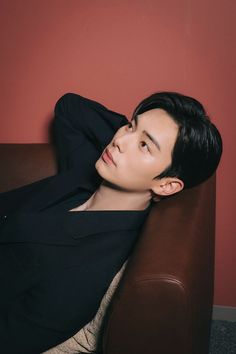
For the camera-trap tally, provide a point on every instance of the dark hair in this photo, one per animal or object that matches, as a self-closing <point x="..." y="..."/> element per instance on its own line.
<point x="198" y="147"/>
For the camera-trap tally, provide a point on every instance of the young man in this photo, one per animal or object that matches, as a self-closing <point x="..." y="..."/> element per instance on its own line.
<point x="110" y="169"/>
<point x="170" y="144"/>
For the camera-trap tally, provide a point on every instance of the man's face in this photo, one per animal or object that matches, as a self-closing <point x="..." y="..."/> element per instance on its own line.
<point x="139" y="151"/>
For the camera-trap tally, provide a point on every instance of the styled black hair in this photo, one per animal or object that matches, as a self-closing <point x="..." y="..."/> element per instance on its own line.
<point x="198" y="147"/>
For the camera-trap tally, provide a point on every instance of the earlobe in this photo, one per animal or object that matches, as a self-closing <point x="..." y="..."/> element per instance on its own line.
<point x="168" y="186"/>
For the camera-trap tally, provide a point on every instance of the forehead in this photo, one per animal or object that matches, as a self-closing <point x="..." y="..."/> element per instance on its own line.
<point x="157" y="118"/>
<point x="158" y="123"/>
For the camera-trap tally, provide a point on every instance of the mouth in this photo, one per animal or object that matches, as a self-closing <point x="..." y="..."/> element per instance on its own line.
<point x="107" y="157"/>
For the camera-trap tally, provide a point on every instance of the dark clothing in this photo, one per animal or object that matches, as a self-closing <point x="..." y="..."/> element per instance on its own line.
<point x="56" y="265"/>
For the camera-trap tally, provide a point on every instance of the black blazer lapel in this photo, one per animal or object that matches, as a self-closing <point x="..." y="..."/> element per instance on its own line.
<point x="68" y="228"/>
<point x="58" y="187"/>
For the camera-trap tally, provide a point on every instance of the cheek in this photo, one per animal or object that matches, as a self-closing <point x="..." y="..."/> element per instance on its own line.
<point x="138" y="168"/>
<point x="131" y="172"/>
<point x="142" y="163"/>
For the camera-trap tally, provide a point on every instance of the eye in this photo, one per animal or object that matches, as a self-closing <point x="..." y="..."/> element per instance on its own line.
<point x="129" y="127"/>
<point x="144" y="146"/>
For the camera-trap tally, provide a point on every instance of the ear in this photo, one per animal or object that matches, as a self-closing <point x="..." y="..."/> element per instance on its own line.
<point x="167" y="186"/>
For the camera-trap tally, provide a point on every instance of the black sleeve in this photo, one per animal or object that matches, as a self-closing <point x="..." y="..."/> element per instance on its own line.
<point x="83" y="126"/>
<point x="82" y="129"/>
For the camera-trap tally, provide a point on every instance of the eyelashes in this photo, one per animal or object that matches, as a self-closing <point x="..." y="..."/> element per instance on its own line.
<point x="143" y="144"/>
<point x="129" y="125"/>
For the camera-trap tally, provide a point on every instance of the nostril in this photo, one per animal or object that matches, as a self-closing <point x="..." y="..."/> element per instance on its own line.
<point x="116" y="144"/>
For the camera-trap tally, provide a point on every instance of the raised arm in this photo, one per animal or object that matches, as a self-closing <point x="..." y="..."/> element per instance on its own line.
<point x="82" y="129"/>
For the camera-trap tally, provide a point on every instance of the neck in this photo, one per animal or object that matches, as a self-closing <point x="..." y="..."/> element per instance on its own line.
<point x="108" y="197"/>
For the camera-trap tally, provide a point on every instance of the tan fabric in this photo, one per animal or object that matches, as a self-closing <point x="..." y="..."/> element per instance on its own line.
<point x="87" y="339"/>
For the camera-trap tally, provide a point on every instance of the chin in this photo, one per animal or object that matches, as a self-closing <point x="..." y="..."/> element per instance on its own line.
<point x="99" y="168"/>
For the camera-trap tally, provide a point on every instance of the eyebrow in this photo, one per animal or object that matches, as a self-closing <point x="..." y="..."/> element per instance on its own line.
<point x="155" y="142"/>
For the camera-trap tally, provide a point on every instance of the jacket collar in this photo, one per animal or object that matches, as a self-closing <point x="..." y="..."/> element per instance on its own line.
<point x="69" y="227"/>
<point x="93" y="222"/>
<point x="58" y="187"/>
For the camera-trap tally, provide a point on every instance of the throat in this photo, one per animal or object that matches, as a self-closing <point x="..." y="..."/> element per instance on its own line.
<point x="108" y="198"/>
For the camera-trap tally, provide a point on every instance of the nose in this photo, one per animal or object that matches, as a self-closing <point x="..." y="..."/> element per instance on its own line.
<point x="120" y="142"/>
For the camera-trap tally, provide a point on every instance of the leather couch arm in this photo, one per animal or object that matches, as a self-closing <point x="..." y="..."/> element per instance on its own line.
<point x="164" y="302"/>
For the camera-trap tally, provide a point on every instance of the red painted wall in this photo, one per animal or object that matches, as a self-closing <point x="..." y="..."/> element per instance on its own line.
<point x="117" y="52"/>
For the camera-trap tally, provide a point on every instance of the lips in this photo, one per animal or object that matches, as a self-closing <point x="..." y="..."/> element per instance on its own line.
<point x="107" y="157"/>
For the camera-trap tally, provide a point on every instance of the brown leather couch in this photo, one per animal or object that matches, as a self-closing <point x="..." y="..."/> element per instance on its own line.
<point x="164" y="302"/>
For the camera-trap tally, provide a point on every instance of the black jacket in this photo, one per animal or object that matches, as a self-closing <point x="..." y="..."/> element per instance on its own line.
<point x="55" y="265"/>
